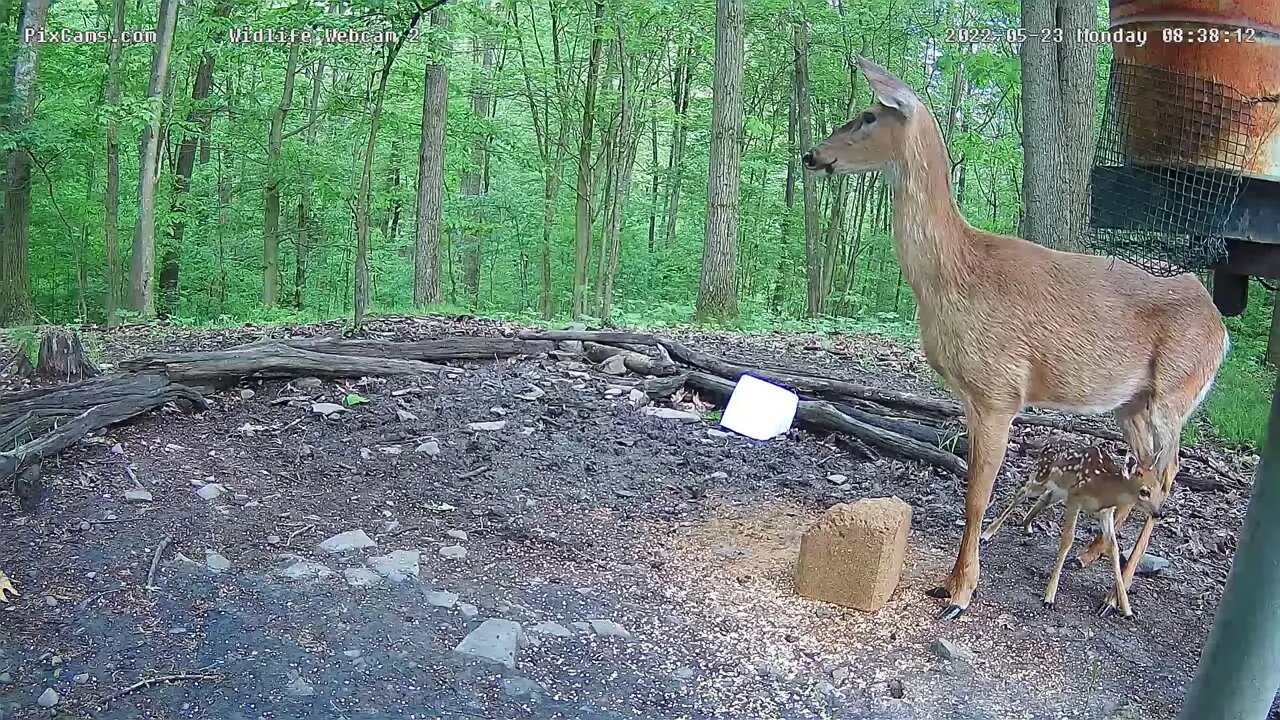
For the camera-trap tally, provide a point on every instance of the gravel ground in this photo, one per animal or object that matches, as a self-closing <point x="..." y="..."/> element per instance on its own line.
<point x="569" y="557"/>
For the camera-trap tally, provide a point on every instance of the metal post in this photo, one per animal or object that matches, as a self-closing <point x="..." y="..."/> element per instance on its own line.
<point x="1239" y="669"/>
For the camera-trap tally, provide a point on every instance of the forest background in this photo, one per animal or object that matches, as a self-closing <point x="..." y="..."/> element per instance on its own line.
<point x="630" y="162"/>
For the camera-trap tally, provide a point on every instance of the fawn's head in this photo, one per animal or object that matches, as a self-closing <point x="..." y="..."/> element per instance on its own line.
<point x="1145" y="484"/>
<point x="878" y="136"/>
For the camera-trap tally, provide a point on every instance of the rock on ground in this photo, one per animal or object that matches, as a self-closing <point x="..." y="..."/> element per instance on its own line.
<point x="399" y="566"/>
<point x="496" y="640"/>
<point x="608" y="628"/>
<point x="551" y="628"/>
<point x="347" y="541"/>
<point x="48" y="698"/>
<point x="441" y="598"/>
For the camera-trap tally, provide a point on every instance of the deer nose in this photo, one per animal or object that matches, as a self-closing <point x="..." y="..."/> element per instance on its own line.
<point x="807" y="159"/>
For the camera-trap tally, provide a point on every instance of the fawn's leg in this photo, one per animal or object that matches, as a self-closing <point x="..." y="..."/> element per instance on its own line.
<point x="1167" y="474"/>
<point x="1065" y="539"/>
<point x="1100" y="545"/>
<point x="1046" y="499"/>
<point x="1018" y="497"/>
<point x="1134" y="421"/>
<point x="988" y="439"/>
<point x="1108" y="522"/>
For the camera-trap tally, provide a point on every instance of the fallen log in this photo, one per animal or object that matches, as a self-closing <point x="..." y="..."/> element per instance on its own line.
<point x="822" y="415"/>
<point x="77" y="397"/>
<point x="95" y="418"/>
<point x="956" y="443"/>
<point x="270" y="360"/>
<point x="463" y="347"/>
<point x="637" y="363"/>
<point x="28" y="425"/>
<point x="827" y="388"/>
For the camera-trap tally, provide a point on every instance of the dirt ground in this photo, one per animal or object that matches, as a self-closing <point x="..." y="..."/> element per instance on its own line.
<point x="647" y="561"/>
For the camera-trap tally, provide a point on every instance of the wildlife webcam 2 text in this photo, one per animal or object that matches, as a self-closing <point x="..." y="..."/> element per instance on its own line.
<point x="1087" y="334"/>
<point x="289" y="36"/>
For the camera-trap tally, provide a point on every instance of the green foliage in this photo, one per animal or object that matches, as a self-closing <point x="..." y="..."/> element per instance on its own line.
<point x="656" y="282"/>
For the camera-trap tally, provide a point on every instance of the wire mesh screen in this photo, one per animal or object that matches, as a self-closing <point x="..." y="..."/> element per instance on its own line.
<point x="1168" y="168"/>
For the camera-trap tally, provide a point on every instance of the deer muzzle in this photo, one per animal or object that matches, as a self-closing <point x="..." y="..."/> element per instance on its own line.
<point x="813" y="161"/>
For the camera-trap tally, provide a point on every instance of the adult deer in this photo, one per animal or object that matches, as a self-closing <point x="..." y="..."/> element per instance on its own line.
<point x="1008" y="323"/>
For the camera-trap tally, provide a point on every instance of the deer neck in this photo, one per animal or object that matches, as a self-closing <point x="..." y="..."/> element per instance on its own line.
<point x="929" y="234"/>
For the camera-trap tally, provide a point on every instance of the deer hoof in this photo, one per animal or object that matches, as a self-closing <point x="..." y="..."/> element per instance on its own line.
<point x="1048" y="604"/>
<point x="939" y="593"/>
<point x="951" y="612"/>
<point x="1107" y="610"/>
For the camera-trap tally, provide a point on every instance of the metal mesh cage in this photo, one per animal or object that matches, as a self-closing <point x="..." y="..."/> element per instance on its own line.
<point x="1168" y="169"/>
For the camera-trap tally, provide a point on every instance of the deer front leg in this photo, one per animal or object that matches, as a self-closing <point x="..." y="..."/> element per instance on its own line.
<point x="1100" y="545"/>
<point x="1065" y="539"/>
<point x="988" y="440"/>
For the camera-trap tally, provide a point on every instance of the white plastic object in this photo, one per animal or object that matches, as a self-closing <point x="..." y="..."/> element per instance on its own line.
<point x="760" y="410"/>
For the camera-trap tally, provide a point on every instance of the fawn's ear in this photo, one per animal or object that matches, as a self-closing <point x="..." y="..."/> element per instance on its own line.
<point x="1130" y="465"/>
<point x="888" y="89"/>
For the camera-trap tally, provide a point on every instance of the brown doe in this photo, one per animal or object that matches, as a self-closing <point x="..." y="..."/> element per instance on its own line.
<point x="1008" y="323"/>
<point x="1090" y="480"/>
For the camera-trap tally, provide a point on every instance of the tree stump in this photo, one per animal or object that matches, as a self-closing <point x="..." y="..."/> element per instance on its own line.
<point x="62" y="357"/>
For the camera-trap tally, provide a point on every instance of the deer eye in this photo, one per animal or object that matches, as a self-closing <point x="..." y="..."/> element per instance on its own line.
<point x="868" y="117"/>
<point x="1144" y="492"/>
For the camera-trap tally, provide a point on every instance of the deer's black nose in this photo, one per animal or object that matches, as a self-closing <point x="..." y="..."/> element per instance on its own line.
<point x="807" y="159"/>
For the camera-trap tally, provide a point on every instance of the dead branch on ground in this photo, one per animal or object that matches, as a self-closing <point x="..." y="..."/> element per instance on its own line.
<point x="820" y="415"/>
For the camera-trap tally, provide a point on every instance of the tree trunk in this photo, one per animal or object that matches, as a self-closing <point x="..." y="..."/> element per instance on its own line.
<point x="15" y="284"/>
<point x="361" y="210"/>
<point x="111" y="202"/>
<point x="582" y="221"/>
<point x="224" y="221"/>
<point x="804" y="122"/>
<point x="82" y="251"/>
<point x="393" y="189"/>
<point x="789" y="199"/>
<point x="717" y="291"/>
<point x="142" y="268"/>
<point x="435" y="96"/>
<point x="271" y="191"/>
<point x="679" y="137"/>
<point x="653" y="187"/>
<point x="624" y="158"/>
<point x="1057" y="109"/>
<point x="304" y="196"/>
<point x="473" y="184"/>
<point x="835" y="230"/>
<point x="197" y="118"/>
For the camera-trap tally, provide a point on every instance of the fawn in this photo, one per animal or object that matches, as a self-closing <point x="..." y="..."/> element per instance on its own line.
<point x="1090" y="480"/>
<point x="1008" y="323"/>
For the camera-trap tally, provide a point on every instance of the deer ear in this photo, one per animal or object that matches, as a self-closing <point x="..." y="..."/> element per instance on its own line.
<point x="888" y="89"/>
<point x="1130" y="464"/>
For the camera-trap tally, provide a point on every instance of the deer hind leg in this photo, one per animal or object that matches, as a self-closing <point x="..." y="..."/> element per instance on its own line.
<point x="1065" y="540"/>
<point x="988" y="440"/>
<point x="1108" y="522"/>
<point x="1025" y="491"/>
<point x="1135" y="425"/>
